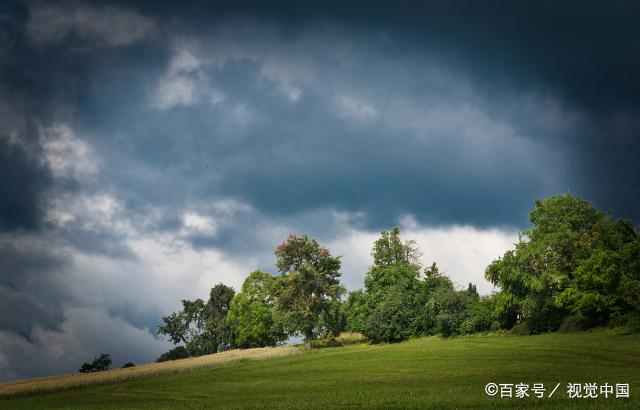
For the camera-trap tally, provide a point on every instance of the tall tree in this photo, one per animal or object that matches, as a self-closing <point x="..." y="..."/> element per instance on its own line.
<point x="395" y="262"/>
<point x="254" y="315"/>
<point x="390" y="303"/>
<point x="312" y="282"/>
<point x="202" y="327"/>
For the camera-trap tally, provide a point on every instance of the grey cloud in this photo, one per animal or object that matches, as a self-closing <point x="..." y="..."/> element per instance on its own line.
<point x="83" y="334"/>
<point x="22" y="187"/>
<point x="32" y="282"/>
<point x="106" y="25"/>
<point x="322" y="120"/>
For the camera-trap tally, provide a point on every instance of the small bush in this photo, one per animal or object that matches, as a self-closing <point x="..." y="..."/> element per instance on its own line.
<point x="176" y="353"/>
<point x="99" y="364"/>
<point x="128" y="364"/>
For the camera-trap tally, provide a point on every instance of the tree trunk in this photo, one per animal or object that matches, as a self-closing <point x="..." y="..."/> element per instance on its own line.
<point x="309" y="338"/>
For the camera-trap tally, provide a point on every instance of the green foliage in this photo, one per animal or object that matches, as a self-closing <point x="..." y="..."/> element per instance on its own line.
<point x="399" y="303"/>
<point x="311" y="283"/>
<point x="333" y="319"/>
<point x="449" y="308"/>
<point x="392" y="318"/>
<point x="202" y="327"/>
<point x="177" y="353"/>
<point x="254" y="315"/>
<point x="575" y="260"/>
<point x="99" y="364"/>
<point x="395" y="263"/>
<point x="356" y="311"/>
<point x="387" y="310"/>
<point x="127" y="365"/>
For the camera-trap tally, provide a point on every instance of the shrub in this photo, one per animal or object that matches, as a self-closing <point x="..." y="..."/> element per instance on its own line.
<point x="99" y="364"/>
<point x="176" y="353"/>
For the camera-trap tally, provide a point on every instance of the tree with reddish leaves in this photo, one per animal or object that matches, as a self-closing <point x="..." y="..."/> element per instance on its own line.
<point x="312" y="282"/>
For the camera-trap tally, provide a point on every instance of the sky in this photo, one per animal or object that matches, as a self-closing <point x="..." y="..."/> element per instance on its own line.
<point x="150" y="150"/>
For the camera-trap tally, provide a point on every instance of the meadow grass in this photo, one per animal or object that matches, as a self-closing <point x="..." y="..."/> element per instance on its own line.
<point x="421" y="373"/>
<point x="64" y="382"/>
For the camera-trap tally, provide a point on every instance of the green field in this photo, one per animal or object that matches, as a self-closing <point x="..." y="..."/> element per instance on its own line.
<point x="421" y="373"/>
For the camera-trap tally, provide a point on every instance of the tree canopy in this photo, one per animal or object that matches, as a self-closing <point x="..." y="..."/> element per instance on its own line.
<point x="312" y="282"/>
<point x="575" y="266"/>
<point x="254" y="313"/>
<point x="574" y="260"/>
<point x="202" y="327"/>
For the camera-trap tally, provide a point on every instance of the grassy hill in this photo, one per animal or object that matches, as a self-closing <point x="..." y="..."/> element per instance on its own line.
<point x="421" y="373"/>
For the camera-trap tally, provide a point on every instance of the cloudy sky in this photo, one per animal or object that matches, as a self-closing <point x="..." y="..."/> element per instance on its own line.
<point x="149" y="150"/>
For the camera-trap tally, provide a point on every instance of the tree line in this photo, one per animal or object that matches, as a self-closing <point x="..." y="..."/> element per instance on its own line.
<point x="575" y="268"/>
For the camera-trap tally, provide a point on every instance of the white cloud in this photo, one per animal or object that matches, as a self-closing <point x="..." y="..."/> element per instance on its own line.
<point x="462" y="252"/>
<point x="185" y="83"/>
<point x="109" y="25"/>
<point x="351" y="107"/>
<point x="288" y="74"/>
<point x="175" y="90"/>
<point x="184" y="60"/>
<point x="199" y="224"/>
<point x="97" y="212"/>
<point x="67" y="155"/>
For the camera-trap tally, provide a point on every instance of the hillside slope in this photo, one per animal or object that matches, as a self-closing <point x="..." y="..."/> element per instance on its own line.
<point x="422" y="373"/>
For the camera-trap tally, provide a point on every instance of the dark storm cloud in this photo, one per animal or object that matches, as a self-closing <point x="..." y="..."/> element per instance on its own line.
<point x="21" y="186"/>
<point x="29" y="283"/>
<point x="499" y="47"/>
<point x="583" y="52"/>
<point x="134" y="133"/>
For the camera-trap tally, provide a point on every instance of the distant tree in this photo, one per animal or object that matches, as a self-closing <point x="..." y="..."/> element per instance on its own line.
<point x="127" y="365"/>
<point x="311" y="284"/>
<point x="177" y="353"/>
<point x="472" y="291"/>
<point x="395" y="263"/>
<point x="432" y="271"/>
<point x="254" y="315"/>
<point x="202" y="327"/>
<point x="99" y="364"/>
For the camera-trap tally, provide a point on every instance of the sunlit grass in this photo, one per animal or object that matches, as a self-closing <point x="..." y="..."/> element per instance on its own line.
<point x="48" y="384"/>
<point x="422" y="373"/>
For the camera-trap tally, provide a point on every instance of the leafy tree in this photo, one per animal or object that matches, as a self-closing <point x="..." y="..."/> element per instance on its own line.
<point x="99" y="364"/>
<point x="391" y="285"/>
<point x="574" y="260"/>
<point x="392" y="319"/>
<point x="356" y="311"/>
<point x="426" y="290"/>
<point x="177" y="353"/>
<point x="217" y="328"/>
<point x="395" y="263"/>
<point x="333" y="320"/>
<point x="254" y="315"/>
<point x="311" y="282"/>
<point x="202" y="327"/>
